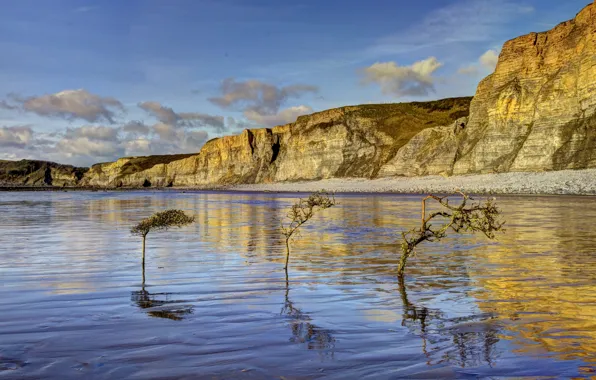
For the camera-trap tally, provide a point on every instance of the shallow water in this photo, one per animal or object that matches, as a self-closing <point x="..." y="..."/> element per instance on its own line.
<point x="217" y="304"/>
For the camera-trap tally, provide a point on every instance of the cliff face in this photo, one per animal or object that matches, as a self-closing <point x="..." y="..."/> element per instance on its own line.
<point x="345" y="142"/>
<point x="38" y="173"/>
<point x="537" y="111"/>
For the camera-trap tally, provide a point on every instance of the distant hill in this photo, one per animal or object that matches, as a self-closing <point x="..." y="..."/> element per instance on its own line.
<point x="39" y="173"/>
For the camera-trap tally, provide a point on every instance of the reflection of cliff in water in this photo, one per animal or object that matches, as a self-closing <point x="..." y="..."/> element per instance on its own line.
<point x="465" y="342"/>
<point x="161" y="305"/>
<point x="304" y="332"/>
<point x="543" y="280"/>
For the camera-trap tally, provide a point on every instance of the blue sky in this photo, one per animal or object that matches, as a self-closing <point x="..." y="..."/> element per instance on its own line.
<point x="73" y="74"/>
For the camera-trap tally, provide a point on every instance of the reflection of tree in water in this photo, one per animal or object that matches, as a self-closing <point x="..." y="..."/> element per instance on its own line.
<point x="471" y="340"/>
<point x="303" y="331"/>
<point x="160" y="305"/>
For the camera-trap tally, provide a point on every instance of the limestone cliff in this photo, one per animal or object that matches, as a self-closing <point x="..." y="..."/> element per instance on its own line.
<point x="38" y="173"/>
<point x="353" y="141"/>
<point x="537" y="110"/>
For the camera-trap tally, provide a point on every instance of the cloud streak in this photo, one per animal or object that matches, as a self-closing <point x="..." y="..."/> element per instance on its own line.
<point x="261" y="102"/>
<point x="16" y="137"/>
<point x="460" y="22"/>
<point x="70" y="105"/>
<point x="414" y="80"/>
<point x="487" y="61"/>
<point x="168" y="116"/>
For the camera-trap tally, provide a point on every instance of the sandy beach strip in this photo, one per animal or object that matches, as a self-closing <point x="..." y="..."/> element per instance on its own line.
<point x="576" y="182"/>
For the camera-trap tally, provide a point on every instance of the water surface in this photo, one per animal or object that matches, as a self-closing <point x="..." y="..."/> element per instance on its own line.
<point x="217" y="304"/>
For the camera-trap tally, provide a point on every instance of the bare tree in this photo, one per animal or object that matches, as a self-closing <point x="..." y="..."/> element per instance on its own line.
<point x="301" y="212"/>
<point x="160" y="221"/>
<point x="465" y="217"/>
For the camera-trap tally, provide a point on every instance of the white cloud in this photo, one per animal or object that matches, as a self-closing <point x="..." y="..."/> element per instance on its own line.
<point x="414" y="80"/>
<point x="17" y="136"/>
<point x="93" y="132"/>
<point x="138" y="147"/>
<point x="88" y="144"/>
<point x="136" y="127"/>
<point x="257" y="96"/>
<point x="163" y="114"/>
<point x="165" y="131"/>
<point x="171" y="140"/>
<point x="284" y="116"/>
<point x="490" y="59"/>
<point x="260" y="102"/>
<point x="182" y="119"/>
<point x="487" y="61"/>
<point x="89" y="147"/>
<point x="71" y="105"/>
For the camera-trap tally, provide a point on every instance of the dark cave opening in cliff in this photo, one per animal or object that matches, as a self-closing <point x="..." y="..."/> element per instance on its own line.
<point x="275" y="147"/>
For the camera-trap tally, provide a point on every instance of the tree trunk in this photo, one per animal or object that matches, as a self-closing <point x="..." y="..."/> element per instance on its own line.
<point x="287" y="253"/>
<point x="402" y="264"/>
<point x="143" y="262"/>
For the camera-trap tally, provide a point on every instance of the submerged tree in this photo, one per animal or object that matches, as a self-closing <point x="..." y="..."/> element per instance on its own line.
<point x="301" y="212"/>
<point x="160" y="221"/>
<point x="465" y="217"/>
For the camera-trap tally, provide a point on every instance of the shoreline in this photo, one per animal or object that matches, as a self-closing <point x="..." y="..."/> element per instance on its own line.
<point x="563" y="182"/>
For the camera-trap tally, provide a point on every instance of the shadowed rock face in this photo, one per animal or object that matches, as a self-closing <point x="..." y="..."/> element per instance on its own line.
<point x="536" y="112"/>
<point x="39" y="173"/>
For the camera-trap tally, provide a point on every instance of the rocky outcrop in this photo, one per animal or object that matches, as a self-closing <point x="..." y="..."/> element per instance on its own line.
<point x="353" y="141"/>
<point x="38" y="173"/>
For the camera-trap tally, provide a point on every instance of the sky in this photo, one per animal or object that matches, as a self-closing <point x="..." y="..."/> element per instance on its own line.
<point x="83" y="82"/>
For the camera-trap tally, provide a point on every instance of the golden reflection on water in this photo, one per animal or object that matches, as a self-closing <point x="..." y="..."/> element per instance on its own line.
<point x="541" y="278"/>
<point x="533" y="290"/>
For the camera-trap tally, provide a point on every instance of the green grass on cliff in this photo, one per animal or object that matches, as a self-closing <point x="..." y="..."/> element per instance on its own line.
<point x="402" y="121"/>
<point x="399" y="118"/>
<point x="137" y="164"/>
